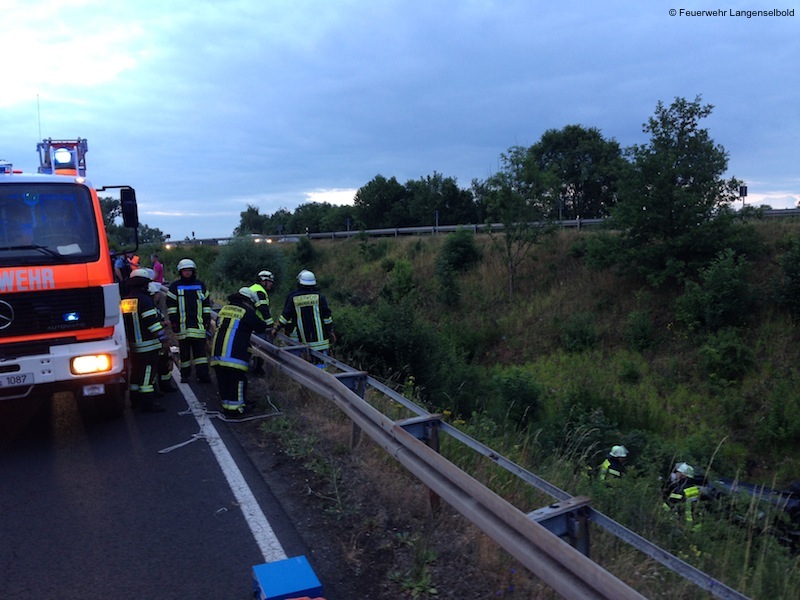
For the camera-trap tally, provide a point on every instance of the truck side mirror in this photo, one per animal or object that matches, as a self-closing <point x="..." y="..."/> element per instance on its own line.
<point x="127" y="201"/>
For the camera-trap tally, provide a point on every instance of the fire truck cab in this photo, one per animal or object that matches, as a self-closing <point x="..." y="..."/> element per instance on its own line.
<point x="60" y="323"/>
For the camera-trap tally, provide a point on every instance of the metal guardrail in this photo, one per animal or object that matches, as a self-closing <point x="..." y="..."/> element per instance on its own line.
<point x="564" y="568"/>
<point x="426" y="230"/>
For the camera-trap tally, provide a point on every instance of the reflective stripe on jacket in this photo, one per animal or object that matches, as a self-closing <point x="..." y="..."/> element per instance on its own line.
<point x="189" y="308"/>
<point x="262" y="306"/>
<point x="231" y="344"/>
<point x="142" y="323"/>
<point x="307" y="311"/>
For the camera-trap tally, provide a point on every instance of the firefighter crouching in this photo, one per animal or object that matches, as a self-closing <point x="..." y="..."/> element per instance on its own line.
<point x="613" y="466"/>
<point x="146" y="337"/>
<point x="683" y="495"/>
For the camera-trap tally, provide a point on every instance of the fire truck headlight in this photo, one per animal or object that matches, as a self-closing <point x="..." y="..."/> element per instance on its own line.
<point x="95" y="363"/>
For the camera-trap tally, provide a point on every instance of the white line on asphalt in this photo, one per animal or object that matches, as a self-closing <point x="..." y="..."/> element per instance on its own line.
<point x="262" y="530"/>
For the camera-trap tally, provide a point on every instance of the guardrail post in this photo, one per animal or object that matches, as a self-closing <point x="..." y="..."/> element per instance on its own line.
<point x="426" y="429"/>
<point x="568" y="520"/>
<point x="356" y="381"/>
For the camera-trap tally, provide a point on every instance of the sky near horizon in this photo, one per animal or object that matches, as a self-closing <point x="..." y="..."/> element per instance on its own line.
<point x="208" y="107"/>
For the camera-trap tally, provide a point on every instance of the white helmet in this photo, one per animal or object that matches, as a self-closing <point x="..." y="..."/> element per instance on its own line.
<point x="619" y="452"/>
<point x="248" y="294"/>
<point x="186" y="263"/>
<point x="266" y="276"/>
<point x="140" y="273"/>
<point x="150" y="273"/>
<point x="306" y="277"/>
<point x="687" y="470"/>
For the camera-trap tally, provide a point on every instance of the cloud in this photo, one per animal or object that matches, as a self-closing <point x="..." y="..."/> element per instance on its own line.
<point x="209" y="109"/>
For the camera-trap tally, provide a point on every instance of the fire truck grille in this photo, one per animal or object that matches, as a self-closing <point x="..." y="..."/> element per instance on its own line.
<point x="50" y="312"/>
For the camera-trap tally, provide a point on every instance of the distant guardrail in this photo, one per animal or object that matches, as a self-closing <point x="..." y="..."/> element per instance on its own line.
<point x="424" y="230"/>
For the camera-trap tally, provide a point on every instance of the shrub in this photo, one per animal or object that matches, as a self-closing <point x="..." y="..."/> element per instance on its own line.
<point x="789" y="296"/>
<point x="304" y="252"/>
<point x="782" y="424"/>
<point x="518" y="397"/>
<point x="639" y="331"/>
<point x="726" y="357"/>
<point x="400" y="282"/>
<point x="459" y="251"/>
<point x="721" y="298"/>
<point x="238" y="263"/>
<point x="578" y="333"/>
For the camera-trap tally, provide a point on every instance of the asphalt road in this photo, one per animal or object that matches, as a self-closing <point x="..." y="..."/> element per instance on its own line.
<point x="99" y="510"/>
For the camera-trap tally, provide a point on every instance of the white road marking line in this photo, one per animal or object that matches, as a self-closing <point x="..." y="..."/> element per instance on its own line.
<point x="265" y="537"/>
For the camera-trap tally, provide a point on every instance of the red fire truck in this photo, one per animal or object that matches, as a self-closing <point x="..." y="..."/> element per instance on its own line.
<point x="60" y="324"/>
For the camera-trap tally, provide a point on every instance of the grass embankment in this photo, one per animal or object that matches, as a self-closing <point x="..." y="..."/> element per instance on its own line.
<point x="577" y="360"/>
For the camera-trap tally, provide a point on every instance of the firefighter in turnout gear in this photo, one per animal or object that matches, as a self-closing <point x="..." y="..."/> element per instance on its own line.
<point x="306" y="311"/>
<point x="262" y="289"/>
<point x="189" y="312"/>
<point x="613" y="466"/>
<point x="146" y="335"/>
<point x="164" y="354"/>
<point x="230" y="349"/>
<point x="682" y="494"/>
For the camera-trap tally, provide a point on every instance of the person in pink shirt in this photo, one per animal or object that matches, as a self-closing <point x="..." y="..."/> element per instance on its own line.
<point x="158" y="268"/>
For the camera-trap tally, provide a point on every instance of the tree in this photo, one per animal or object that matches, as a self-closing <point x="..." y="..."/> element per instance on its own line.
<point x="673" y="210"/>
<point x="585" y="170"/>
<point x="120" y="236"/>
<point x="513" y="197"/>
<point x="250" y="221"/>
<point x="382" y="203"/>
<point x="438" y="194"/>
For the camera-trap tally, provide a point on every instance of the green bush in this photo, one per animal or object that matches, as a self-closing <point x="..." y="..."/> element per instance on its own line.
<point x="400" y="281"/>
<point x="726" y="357"/>
<point x="304" y="252"/>
<point x="790" y="287"/>
<point x="518" y="397"/>
<point x="459" y="251"/>
<point x="722" y="297"/>
<point x="238" y="264"/>
<point x="578" y="333"/>
<point x="639" y="331"/>
<point x="782" y="424"/>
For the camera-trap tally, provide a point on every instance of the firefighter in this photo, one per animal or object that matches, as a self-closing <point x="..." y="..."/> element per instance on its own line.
<point x="613" y="466"/>
<point x="682" y="494"/>
<point x="230" y="348"/>
<point x="306" y="311"/>
<point x="146" y="336"/>
<point x="189" y="313"/>
<point x="164" y="355"/>
<point x="262" y="288"/>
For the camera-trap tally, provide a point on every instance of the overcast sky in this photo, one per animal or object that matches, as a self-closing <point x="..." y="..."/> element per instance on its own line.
<point x="207" y="107"/>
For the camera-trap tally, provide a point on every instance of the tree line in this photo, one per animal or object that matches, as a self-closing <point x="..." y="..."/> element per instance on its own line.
<point x="573" y="172"/>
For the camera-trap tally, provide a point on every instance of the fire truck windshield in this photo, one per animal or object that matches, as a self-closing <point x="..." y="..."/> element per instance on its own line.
<point x="44" y="223"/>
